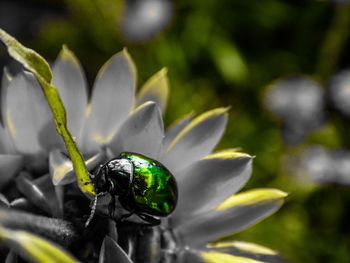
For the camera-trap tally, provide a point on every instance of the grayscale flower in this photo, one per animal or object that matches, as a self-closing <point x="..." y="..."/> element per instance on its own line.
<point x="325" y="166"/>
<point x="299" y="102"/>
<point x="115" y="120"/>
<point x="339" y="91"/>
<point x="143" y="19"/>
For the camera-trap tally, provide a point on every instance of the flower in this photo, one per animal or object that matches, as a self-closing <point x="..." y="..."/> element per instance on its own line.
<point x="299" y="102"/>
<point x="324" y="166"/>
<point x="339" y="91"/>
<point x="114" y="120"/>
<point x="143" y="19"/>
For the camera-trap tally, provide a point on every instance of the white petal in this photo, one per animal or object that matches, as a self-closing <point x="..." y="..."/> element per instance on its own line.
<point x="141" y="133"/>
<point x="9" y="166"/>
<point x="29" y="117"/>
<point x="155" y="89"/>
<point x="246" y="249"/>
<point x="40" y="192"/>
<point x="197" y="140"/>
<point x="190" y="255"/>
<point x="69" y="79"/>
<point x="175" y="129"/>
<point x="112" y="252"/>
<point x="236" y="213"/>
<point x="6" y="143"/>
<point x="209" y="182"/>
<point x="61" y="167"/>
<point x="111" y="101"/>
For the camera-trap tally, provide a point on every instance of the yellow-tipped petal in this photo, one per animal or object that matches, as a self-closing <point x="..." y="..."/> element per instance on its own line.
<point x="70" y="81"/>
<point x="252" y="197"/>
<point x="245" y="247"/>
<point x="196" y="140"/>
<point x="210" y="181"/>
<point x="217" y="257"/>
<point x="111" y="101"/>
<point x="142" y="132"/>
<point x="205" y="116"/>
<point x="34" y="247"/>
<point x="227" y="154"/>
<point x="155" y="89"/>
<point x="233" y="215"/>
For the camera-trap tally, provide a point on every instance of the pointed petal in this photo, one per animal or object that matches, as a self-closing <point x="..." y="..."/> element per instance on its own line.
<point x="209" y="182"/>
<point x="53" y="195"/>
<point x="9" y="166"/>
<point x="175" y="129"/>
<point x="40" y="192"/>
<point x="34" y="248"/>
<point x="197" y="140"/>
<point x="69" y="79"/>
<point x="111" y="101"/>
<point x="155" y="89"/>
<point x="3" y="201"/>
<point x="218" y="257"/>
<point x="11" y="257"/>
<point x="28" y="116"/>
<point x="198" y="256"/>
<point x="142" y="132"/>
<point x="5" y="82"/>
<point x="23" y="204"/>
<point x="247" y="249"/>
<point x="112" y="252"/>
<point x="61" y="167"/>
<point x="234" y="214"/>
<point x="112" y="230"/>
<point x="243" y="247"/>
<point x="6" y="142"/>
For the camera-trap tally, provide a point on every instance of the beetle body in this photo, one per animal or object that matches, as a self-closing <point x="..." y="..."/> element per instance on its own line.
<point x="143" y="186"/>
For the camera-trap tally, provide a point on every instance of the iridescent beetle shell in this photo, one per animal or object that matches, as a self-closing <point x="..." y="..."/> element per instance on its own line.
<point x="153" y="188"/>
<point x="144" y="186"/>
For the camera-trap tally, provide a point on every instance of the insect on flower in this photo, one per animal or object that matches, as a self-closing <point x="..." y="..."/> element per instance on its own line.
<point x="144" y="187"/>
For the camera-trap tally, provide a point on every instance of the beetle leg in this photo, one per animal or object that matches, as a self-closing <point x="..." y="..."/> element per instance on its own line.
<point x="125" y="216"/>
<point x="151" y="220"/>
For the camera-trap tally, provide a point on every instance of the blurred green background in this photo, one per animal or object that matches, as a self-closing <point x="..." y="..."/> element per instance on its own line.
<point x="224" y="53"/>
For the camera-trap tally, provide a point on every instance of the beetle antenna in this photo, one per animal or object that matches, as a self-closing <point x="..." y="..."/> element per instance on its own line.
<point x="93" y="210"/>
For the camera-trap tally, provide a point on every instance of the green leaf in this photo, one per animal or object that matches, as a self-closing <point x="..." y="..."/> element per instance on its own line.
<point x="28" y="57"/>
<point x="34" y="248"/>
<point x="40" y="68"/>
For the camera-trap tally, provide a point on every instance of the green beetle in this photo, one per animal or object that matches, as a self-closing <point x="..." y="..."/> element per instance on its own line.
<point x="144" y="186"/>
